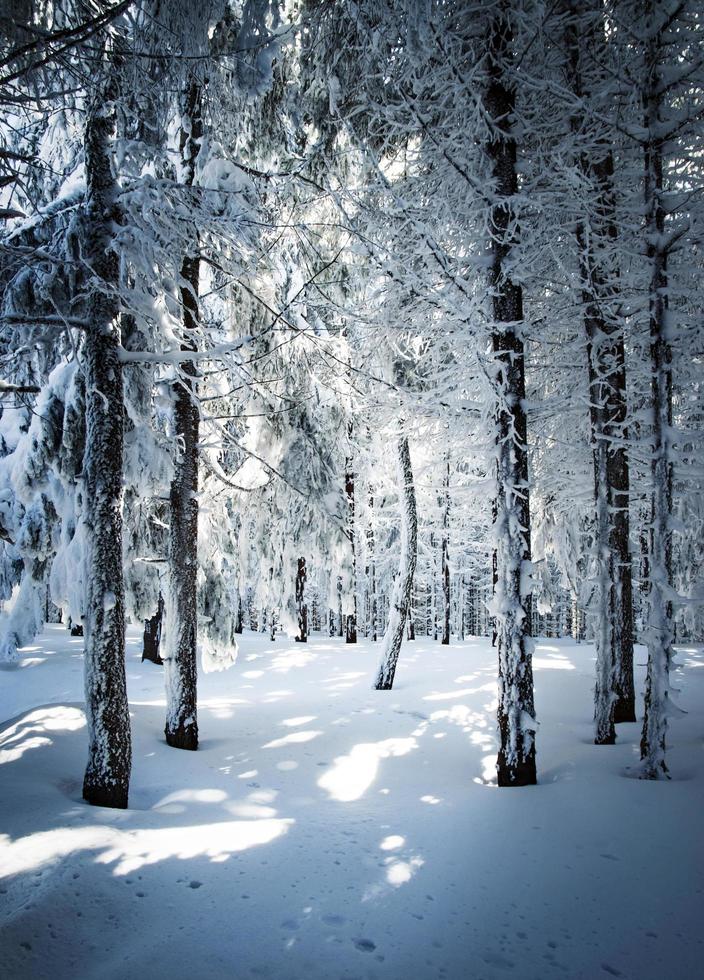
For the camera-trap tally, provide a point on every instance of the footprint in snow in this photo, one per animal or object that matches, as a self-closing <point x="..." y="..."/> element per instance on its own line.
<point x="333" y="920"/>
<point x="195" y="884"/>
<point x="365" y="945"/>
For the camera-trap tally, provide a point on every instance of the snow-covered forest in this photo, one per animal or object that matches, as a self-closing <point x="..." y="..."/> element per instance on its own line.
<point x="351" y="353"/>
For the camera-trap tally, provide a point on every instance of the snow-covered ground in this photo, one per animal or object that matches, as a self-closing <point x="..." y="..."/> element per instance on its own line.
<point x="326" y="830"/>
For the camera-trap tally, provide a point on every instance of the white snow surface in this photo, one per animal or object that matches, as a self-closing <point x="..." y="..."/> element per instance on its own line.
<point x="326" y="830"/>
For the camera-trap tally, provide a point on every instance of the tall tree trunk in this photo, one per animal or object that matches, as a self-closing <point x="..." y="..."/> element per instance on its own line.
<point x="660" y="585"/>
<point x="372" y="570"/>
<point x="351" y="618"/>
<point x="644" y="510"/>
<point x="180" y="661"/>
<point x="107" y="776"/>
<point x="301" y="606"/>
<point x="597" y="237"/>
<point x="403" y="586"/>
<point x="494" y="577"/>
<point x="445" y="557"/>
<point x="516" y="758"/>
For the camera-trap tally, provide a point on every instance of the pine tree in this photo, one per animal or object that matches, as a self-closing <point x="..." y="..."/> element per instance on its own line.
<point x="597" y="239"/>
<point x="106" y="781"/>
<point x="181" y="613"/>
<point x="403" y="586"/>
<point x="516" y="759"/>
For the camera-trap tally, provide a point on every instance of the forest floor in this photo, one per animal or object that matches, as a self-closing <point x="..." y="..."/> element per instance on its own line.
<point x="326" y="830"/>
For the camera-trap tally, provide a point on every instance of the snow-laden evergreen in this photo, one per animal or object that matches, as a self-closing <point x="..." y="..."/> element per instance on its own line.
<point x="403" y="584"/>
<point x="260" y="235"/>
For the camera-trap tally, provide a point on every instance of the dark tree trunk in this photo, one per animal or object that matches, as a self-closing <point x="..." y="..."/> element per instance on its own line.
<point x="603" y="326"/>
<point x="239" y="622"/>
<point x="180" y="661"/>
<point x="401" y="600"/>
<point x="301" y="605"/>
<point x="351" y="618"/>
<point x="644" y="561"/>
<point x="494" y="577"/>
<point x="152" y="635"/>
<point x="516" y="758"/>
<point x="107" y="776"/>
<point x="660" y="583"/>
<point x="372" y="571"/>
<point x="340" y="617"/>
<point x="433" y="544"/>
<point x="445" y="557"/>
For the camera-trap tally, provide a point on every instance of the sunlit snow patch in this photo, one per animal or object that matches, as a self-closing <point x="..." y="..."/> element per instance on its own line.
<point x="354" y="773"/>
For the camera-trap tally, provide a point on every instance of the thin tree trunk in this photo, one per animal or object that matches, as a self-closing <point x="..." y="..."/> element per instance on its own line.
<point x="516" y="757"/>
<point x="445" y="557"/>
<point x="351" y="618"/>
<point x="107" y="776"/>
<point x="401" y="599"/>
<point x="372" y="570"/>
<point x="660" y="584"/>
<point x="180" y="661"/>
<point x="436" y="602"/>
<point x="239" y="622"/>
<point x="301" y="606"/>
<point x="644" y="562"/>
<point x="596" y="238"/>
<point x="340" y="630"/>
<point x="152" y="635"/>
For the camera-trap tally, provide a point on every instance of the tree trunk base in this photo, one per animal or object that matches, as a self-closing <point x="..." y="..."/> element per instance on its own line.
<point x="114" y="797"/>
<point x="383" y="686"/>
<point x="182" y="738"/>
<point x="520" y="774"/>
<point x="625" y="710"/>
<point x="605" y="739"/>
<point x="654" y="772"/>
<point x="351" y="630"/>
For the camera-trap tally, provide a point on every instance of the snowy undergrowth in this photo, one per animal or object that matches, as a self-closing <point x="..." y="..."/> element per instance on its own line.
<point x="328" y="830"/>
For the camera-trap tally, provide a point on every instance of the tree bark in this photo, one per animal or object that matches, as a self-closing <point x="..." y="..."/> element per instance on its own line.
<point x="152" y="635"/>
<point x="239" y="622"/>
<point x="180" y="660"/>
<point x="445" y="557"/>
<point x="660" y="584"/>
<point x="351" y="618"/>
<point x="301" y="606"/>
<point x="401" y="599"/>
<point x="516" y="757"/>
<point x="107" y="776"/>
<point x="596" y="238"/>
<point x="372" y="571"/>
<point x="340" y="628"/>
